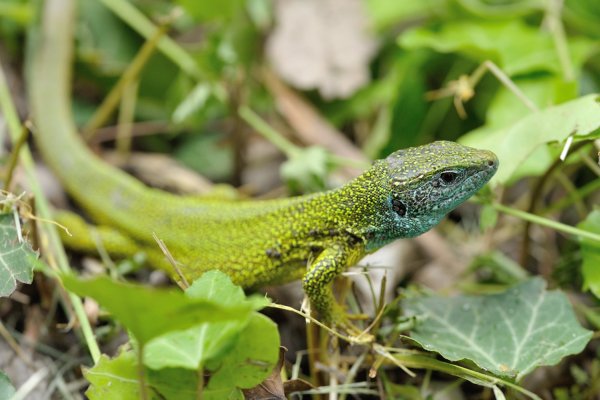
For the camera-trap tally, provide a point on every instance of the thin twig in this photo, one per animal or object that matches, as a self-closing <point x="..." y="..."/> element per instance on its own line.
<point x="163" y="247"/>
<point x="131" y="73"/>
<point x="14" y="155"/>
<point x="359" y="339"/>
<point x="535" y="195"/>
<point x="30" y="385"/>
<point x="502" y="77"/>
<point x="126" y="117"/>
<point x="12" y="343"/>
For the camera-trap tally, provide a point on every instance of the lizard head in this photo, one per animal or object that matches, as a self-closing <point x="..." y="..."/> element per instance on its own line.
<point x="427" y="182"/>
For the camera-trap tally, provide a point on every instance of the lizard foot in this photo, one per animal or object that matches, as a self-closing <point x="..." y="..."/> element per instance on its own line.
<point x="340" y="320"/>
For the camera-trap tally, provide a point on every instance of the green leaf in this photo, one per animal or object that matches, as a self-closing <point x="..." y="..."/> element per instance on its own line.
<point x="515" y="47"/>
<point x="104" y="41"/>
<point x="17" y="259"/>
<point x="387" y="12"/>
<point x="193" y="347"/>
<point x="505" y="110"/>
<point x="192" y="103"/>
<point x="220" y="394"/>
<point x="6" y="388"/>
<point x="307" y="169"/>
<point x="409" y="107"/>
<point x="148" y="312"/>
<point x="252" y="359"/>
<point x="16" y="11"/>
<point x="488" y="218"/>
<point x="206" y="154"/>
<point x="590" y="253"/>
<point x="542" y="90"/>
<point x="503" y="268"/>
<point x="508" y="334"/>
<point x="211" y="10"/>
<point x="174" y="383"/>
<point x="242" y="353"/>
<point x="584" y="15"/>
<point x="514" y="144"/>
<point x="115" y="378"/>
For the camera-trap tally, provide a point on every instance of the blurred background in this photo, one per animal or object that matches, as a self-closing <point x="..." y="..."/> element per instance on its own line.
<point x="287" y="97"/>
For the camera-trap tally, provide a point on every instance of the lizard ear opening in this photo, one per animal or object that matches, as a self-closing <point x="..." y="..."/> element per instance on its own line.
<point x="399" y="207"/>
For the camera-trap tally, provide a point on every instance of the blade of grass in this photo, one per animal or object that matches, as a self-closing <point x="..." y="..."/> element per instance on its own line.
<point x="536" y="219"/>
<point x="421" y="361"/>
<point x="53" y="243"/>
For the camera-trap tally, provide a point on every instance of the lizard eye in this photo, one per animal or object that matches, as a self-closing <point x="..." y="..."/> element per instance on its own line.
<point x="399" y="207"/>
<point x="448" y="177"/>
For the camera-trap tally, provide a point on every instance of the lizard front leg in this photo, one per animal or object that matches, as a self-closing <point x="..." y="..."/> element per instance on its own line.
<point x="331" y="262"/>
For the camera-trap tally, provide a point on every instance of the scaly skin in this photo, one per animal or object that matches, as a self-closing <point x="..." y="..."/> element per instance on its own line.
<point x="255" y="242"/>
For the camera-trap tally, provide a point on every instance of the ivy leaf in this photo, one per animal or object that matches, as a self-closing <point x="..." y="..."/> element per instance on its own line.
<point x="174" y="384"/>
<point x="241" y="352"/>
<point x="590" y="253"/>
<point x="193" y="347"/>
<point x="240" y="345"/>
<point x="17" y="259"/>
<point x="149" y="312"/>
<point x="6" y="388"/>
<point x="115" y="378"/>
<point x="508" y="334"/>
<point x="252" y="359"/>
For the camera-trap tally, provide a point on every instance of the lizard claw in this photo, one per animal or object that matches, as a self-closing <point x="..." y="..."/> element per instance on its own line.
<point x="340" y="320"/>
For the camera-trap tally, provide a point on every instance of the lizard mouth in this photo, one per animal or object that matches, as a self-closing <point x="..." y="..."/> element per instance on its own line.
<point x="479" y="179"/>
<point x="471" y="185"/>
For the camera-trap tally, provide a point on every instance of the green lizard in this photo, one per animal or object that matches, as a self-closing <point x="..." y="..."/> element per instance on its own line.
<point x="313" y="237"/>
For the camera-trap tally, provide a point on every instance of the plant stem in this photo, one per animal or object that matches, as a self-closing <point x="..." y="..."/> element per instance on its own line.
<point x="573" y="197"/>
<point x="536" y="219"/>
<point x="126" y="117"/>
<point x="557" y="30"/>
<point x="427" y="362"/>
<point x="140" y="23"/>
<point x="128" y="78"/>
<point x="53" y="246"/>
<point x="504" y="79"/>
<point x="262" y="127"/>
<point x="141" y="372"/>
<point x="14" y="155"/>
<point x="287" y="147"/>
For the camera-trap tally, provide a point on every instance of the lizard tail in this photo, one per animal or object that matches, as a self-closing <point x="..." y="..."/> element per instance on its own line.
<point x="105" y="192"/>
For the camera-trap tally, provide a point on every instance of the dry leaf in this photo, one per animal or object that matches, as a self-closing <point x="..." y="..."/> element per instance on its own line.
<point x="322" y="44"/>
